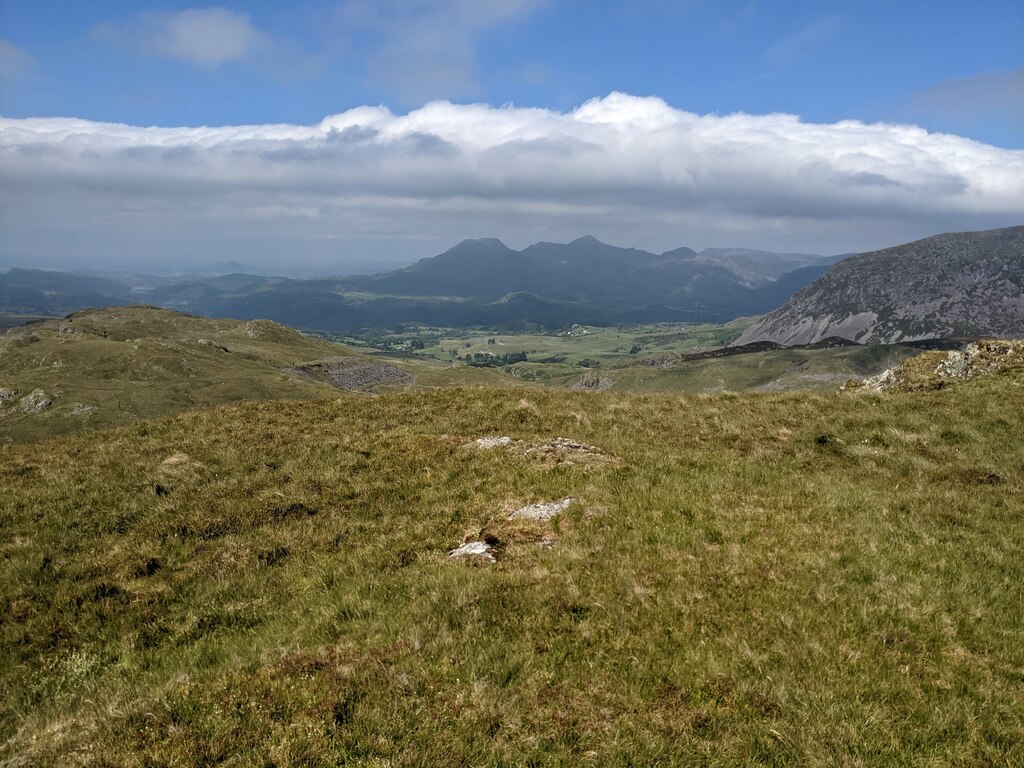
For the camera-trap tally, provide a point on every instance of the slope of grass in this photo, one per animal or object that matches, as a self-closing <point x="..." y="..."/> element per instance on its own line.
<point x="822" y="370"/>
<point x="758" y="580"/>
<point x="126" y="363"/>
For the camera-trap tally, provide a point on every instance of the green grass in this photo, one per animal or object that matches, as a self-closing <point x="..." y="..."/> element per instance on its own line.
<point x="760" y="580"/>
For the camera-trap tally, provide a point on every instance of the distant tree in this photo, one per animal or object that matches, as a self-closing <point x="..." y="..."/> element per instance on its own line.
<point x="490" y="360"/>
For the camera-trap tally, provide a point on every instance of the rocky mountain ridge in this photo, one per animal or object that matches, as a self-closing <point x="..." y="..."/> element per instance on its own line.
<point x="964" y="284"/>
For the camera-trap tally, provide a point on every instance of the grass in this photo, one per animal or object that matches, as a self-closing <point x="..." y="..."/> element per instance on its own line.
<point x="123" y="364"/>
<point x="131" y="363"/>
<point x="759" y="580"/>
<point x="127" y="363"/>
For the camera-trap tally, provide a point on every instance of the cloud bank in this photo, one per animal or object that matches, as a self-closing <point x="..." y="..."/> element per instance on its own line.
<point x="368" y="185"/>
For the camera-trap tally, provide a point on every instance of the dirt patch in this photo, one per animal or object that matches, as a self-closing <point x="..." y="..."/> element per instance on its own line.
<point x="353" y="373"/>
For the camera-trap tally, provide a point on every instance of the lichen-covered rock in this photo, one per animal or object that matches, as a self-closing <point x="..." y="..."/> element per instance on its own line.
<point x="486" y="443"/>
<point x="7" y="394"/>
<point x="34" y="402"/>
<point x="592" y="382"/>
<point x="543" y="510"/>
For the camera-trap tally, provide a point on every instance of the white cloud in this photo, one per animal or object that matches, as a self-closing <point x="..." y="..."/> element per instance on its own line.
<point x="425" y="49"/>
<point x="374" y="185"/>
<point x="205" y="37"/>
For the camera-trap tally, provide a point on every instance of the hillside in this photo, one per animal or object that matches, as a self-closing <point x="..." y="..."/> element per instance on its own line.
<point x="48" y="292"/>
<point x="112" y="366"/>
<point x="726" y="580"/>
<point x="965" y="284"/>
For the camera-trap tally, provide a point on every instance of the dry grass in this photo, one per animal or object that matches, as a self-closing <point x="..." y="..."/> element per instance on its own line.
<point x="759" y="580"/>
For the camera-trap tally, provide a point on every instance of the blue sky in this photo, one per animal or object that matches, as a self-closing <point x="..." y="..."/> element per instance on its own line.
<point x="948" y="67"/>
<point x="825" y="61"/>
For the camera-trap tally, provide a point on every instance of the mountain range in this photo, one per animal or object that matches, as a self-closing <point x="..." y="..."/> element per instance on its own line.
<point x="477" y="282"/>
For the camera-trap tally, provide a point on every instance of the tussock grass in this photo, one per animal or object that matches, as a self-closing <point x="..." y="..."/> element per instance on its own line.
<point x="776" y="580"/>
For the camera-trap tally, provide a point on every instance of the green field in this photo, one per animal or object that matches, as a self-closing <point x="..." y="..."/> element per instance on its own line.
<point x="648" y="358"/>
<point x="604" y="344"/>
<point x="781" y="579"/>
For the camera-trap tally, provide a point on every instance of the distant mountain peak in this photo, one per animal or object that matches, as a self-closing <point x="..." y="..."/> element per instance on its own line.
<point x="481" y="241"/>
<point x="680" y="253"/>
<point x="587" y="240"/>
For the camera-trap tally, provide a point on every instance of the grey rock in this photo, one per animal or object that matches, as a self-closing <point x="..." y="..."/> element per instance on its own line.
<point x="354" y="373"/>
<point x="593" y="382"/>
<point x="34" y="402"/>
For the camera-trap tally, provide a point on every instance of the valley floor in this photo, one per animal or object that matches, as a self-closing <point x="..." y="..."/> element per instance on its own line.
<point x="757" y="580"/>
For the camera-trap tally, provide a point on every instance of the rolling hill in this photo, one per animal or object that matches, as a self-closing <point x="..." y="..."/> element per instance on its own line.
<point x="116" y="365"/>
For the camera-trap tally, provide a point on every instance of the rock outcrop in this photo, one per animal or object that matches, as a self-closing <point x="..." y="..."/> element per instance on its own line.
<point x="935" y="370"/>
<point x="34" y="402"/>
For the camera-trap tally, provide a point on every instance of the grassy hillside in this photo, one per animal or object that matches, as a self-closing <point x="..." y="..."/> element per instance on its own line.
<point x="112" y="366"/>
<point x="741" y="580"/>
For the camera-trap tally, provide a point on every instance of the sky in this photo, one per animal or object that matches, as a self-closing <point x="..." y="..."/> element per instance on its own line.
<point x="354" y="135"/>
